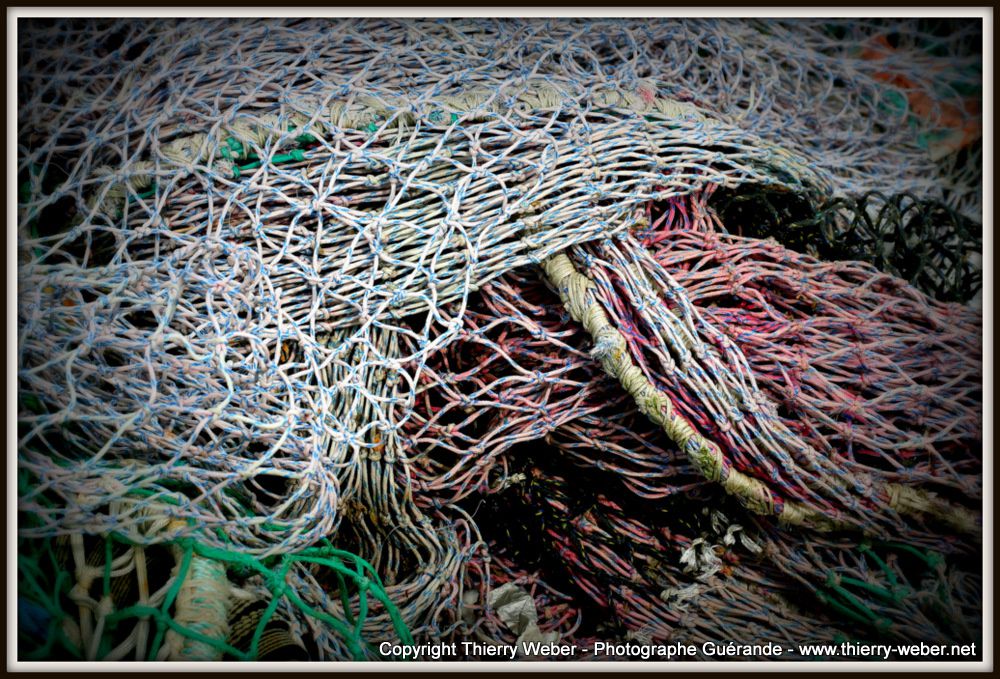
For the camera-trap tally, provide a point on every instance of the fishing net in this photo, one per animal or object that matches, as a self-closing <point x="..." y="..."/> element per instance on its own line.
<point x="157" y="597"/>
<point x="925" y="242"/>
<point x="310" y="311"/>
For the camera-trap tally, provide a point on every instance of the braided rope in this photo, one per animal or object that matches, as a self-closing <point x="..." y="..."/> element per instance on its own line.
<point x="610" y="348"/>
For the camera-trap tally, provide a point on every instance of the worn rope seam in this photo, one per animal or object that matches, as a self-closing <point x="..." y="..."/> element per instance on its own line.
<point x="576" y="292"/>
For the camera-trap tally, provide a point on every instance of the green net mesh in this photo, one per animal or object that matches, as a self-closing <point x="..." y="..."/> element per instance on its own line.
<point x="107" y="597"/>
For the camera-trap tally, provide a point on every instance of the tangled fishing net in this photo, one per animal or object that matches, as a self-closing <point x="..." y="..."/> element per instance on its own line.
<point x="337" y="333"/>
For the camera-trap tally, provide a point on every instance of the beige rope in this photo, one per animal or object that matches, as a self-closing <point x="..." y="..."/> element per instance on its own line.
<point x="202" y="605"/>
<point x="576" y="292"/>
